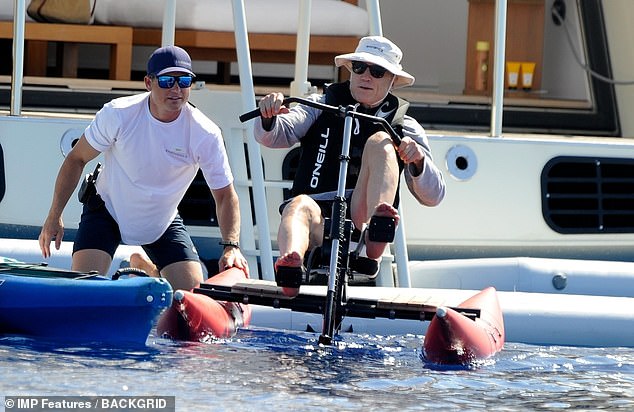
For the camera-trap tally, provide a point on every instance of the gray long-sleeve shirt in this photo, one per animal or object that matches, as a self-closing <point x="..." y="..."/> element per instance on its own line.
<point x="428" y="187"/>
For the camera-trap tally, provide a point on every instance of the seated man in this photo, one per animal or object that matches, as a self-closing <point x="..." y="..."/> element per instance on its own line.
<point x="375" y="163"/>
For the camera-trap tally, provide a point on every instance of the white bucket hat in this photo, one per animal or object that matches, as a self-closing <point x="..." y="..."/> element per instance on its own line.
<point x="382" y="52"/>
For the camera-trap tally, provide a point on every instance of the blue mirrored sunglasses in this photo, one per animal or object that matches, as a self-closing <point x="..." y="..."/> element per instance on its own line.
<point x="375" y="71"/>
<point x="167" y="82"/>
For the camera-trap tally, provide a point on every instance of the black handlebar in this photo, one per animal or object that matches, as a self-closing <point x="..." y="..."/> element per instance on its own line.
<point x="341" y="111"/>
<point x="256" y="112"/>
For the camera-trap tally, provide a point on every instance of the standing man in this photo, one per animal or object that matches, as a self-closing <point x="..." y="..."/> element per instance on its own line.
<point x="153" y="145"/>
<point x="375" y="163"/>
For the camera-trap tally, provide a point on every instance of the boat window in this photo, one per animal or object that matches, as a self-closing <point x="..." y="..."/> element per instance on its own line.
<point x="444" y="44"/>
<point x="568" y="63"/>
<point x="560" y="45"/>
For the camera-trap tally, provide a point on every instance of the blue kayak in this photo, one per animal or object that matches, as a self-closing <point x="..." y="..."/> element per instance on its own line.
<point x="41" y="302"/>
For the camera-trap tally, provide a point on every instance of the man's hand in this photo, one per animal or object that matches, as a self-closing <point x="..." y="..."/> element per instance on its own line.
<point x="53" y="229"/>
<point x="232" y="257"/>
<point x="272" y="105"/>
<point x="411" y="152"/>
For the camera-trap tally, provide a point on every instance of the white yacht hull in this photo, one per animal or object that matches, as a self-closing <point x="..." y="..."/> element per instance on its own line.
<point x="492" y="209"/>
<point x="493" y="206"/>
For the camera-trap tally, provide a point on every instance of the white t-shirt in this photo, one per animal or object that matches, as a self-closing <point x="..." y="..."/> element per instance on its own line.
<point x="149" y="164"/>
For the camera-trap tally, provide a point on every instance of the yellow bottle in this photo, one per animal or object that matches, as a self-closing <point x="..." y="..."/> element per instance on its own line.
<point x="482" y="66"/>
<point x="512" y="74"/>
<point x="528" y="70"/>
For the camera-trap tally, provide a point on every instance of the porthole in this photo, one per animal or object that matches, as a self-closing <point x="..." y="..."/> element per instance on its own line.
<point x="462" y="162"/>
<point x="69" y="139"/>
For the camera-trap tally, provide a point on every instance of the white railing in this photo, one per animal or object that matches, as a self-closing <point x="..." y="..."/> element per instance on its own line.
<point x="255" y="157"/>
<point x="168" y="32"/>
<point x="300" y="86"/>
<point x="498" y="68"/>
<point x="19" y="21"/>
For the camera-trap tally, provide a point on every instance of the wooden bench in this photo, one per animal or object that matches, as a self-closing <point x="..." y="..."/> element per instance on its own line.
<point x="264" y="47"/>
<point x="37" y="36"/>
<point x="206" y="45"/>
<point x="217" y="42"/>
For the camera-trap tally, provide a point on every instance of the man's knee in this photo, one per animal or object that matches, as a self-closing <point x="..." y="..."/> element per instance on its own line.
<point x="379" y="146"/>
<point x="184" y="275"/>
<point x="86" y="260"/>
<point x="300" y="204"/>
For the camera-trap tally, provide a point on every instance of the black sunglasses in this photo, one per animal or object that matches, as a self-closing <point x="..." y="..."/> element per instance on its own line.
<point x="167" y="82"/>
<point x="375" y="71"/>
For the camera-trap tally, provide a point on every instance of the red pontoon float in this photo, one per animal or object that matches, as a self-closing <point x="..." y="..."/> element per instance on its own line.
<point x="473" y="330"/>
<point x="196" y="317"/>
<point x="453" y="338"/>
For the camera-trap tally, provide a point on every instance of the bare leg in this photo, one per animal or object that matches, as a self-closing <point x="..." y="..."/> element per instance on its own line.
<point x="91" y="259"/>
<point x="377" y="185"/>
<point x="139" y="261"/>
<point x="185" y="275"/>
<point x="301" y="229"/>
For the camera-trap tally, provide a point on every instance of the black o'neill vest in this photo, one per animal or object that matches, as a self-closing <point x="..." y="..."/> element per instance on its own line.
<point x="318" y="168"/>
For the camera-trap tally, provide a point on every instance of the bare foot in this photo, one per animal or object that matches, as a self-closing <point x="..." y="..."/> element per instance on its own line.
<point x="375" y="250"/>
<point x="139" y="261"/>
<point x="291" y="260"/>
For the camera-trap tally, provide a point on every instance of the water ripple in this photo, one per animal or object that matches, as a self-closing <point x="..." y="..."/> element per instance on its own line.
<point x="271" y="370"/>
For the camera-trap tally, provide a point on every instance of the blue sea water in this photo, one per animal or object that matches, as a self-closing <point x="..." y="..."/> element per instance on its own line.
<point x="270" y="370"/>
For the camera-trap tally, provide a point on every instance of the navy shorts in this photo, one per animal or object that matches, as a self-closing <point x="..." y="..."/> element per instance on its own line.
<point x="98" y="230"/>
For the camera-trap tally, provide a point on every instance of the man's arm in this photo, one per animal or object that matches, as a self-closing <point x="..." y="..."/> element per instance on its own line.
<point x="280" y="127"/>
<point x="228" y="212"/>
<point x="67" y="178"/>
<point x="424" y="180"/>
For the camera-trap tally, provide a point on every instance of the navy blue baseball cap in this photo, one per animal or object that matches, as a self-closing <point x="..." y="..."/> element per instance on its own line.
<point x="169" y="59"/>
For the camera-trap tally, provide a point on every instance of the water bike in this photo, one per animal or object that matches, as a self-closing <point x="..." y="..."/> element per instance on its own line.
<point x="471" y="330"/>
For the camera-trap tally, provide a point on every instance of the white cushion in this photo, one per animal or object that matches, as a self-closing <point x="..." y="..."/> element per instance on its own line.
<point x="328" y="17"/>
